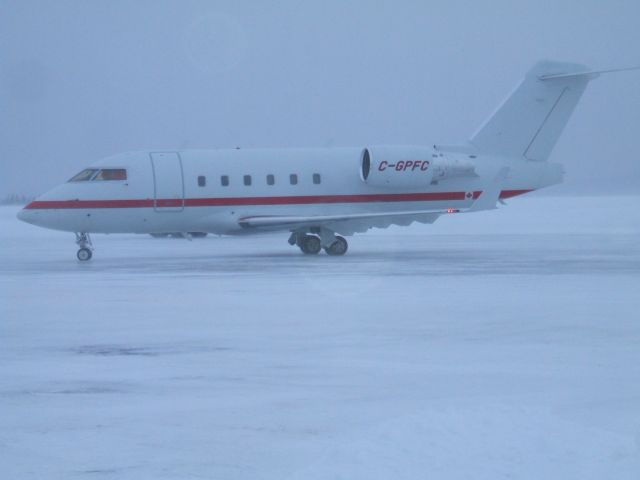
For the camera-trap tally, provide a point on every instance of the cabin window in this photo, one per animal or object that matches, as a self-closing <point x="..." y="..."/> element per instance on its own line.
<point x="247" y="180"/>
<point x="202" y="181"/>
<point x="293" y="179"/>
<point x="224" y="180"/>
<point x="111" y="174"/>
<point x="84" y="175"/>
<point x="271" y="179"/>
<point x="316" y="178"/>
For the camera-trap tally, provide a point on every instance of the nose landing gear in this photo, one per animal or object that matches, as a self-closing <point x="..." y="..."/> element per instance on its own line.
<point x="83" y="240"/>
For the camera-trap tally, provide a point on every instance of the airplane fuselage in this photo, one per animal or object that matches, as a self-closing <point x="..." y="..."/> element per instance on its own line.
<point x="212" y="190"/>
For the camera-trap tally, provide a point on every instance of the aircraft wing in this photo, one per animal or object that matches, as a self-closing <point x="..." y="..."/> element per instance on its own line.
<point x="348" y="224"/>
<point x="345" y="223"/>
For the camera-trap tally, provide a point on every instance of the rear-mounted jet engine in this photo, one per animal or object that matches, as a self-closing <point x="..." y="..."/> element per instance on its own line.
<point x="411" y="167"/>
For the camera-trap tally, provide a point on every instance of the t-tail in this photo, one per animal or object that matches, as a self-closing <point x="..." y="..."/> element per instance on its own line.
<point x="530" y="121"/>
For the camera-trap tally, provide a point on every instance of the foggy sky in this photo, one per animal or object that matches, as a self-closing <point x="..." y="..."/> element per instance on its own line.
<point x="82" y="80"/>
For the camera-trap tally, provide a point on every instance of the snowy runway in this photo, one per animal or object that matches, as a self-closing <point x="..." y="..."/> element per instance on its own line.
<point x="498" y="344"/>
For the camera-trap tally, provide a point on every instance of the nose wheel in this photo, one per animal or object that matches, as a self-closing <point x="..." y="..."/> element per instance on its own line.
<point x="84" y="254"/>
<point x="83" y="240"/>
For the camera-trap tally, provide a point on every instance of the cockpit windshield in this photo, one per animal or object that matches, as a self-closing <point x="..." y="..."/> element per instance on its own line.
<point x="84" y="175"/>
<point x="111" y="174"/>
<point x="95" y="174"/>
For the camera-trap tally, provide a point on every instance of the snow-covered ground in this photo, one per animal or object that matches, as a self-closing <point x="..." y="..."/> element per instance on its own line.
<point x="501" y="344"/>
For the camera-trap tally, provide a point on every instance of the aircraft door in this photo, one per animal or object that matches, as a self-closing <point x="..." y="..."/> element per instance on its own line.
<point x="168" y="182"/>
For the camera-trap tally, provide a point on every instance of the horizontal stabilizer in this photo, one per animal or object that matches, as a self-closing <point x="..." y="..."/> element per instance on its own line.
<point x="593" y="73"/>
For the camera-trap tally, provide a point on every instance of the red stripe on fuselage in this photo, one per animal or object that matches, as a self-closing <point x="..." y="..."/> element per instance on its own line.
<point x="239" y="201"/>
<point x="71" y="204"/>
<point x="513" y="193"/>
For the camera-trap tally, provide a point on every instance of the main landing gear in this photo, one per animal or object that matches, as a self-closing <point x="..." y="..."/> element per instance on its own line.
<point x="86" y="247"/>
<point x="316" y="239"/>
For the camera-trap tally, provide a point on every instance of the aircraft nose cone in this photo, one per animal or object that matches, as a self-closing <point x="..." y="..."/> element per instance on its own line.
<point x="26" y="215"/>
<point x="22" y="215"/>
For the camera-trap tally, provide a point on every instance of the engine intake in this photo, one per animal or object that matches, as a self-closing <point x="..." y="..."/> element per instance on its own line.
<point x="411" y="167"/>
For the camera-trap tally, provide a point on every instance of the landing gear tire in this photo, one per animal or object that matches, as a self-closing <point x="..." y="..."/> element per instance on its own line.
<point x="84" y="254"/>
<point x="83" y="240"/>
<point x="338" y="247"/>
<point x="310" y="245"/>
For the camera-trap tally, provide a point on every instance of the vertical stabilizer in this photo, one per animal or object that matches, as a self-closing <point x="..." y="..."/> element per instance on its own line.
<point x="530" y="121"/>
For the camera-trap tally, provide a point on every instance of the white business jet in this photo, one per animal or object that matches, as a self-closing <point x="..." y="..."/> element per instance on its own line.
<point x="319" y="195"/>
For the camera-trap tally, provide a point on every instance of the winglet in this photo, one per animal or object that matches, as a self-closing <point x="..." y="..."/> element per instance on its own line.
<point x="490" y="195"/>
